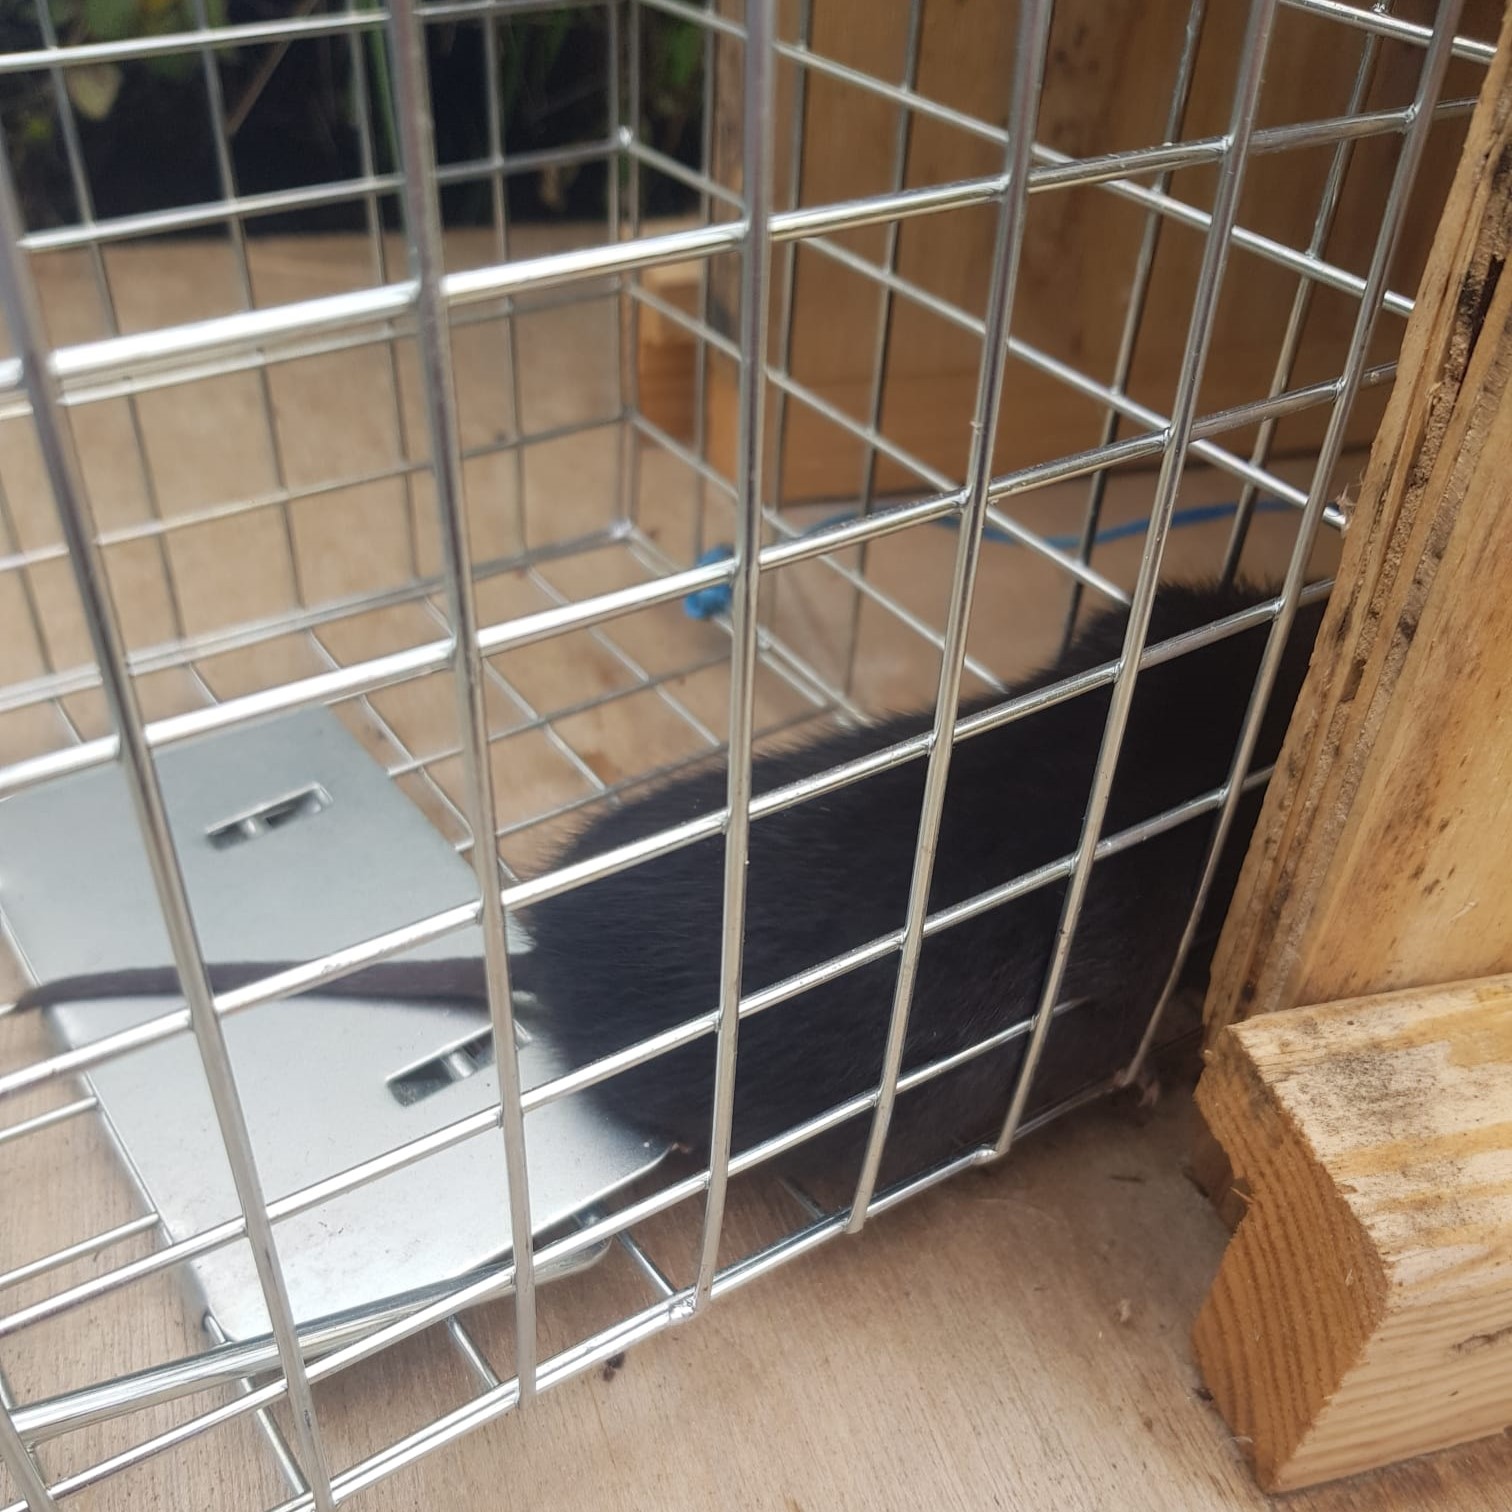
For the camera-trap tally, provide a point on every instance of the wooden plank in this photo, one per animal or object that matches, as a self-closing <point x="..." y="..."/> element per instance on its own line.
<point x="1363" y="1312"/>
<point x="1107" y="86"/>
<point x="1379" y="860"/>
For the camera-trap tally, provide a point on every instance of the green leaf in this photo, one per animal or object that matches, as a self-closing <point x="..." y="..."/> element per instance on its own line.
<point x="682" y="56"/>
<point x="111" y="20"/>
<point x="93" y="89"/>
<point x="36" y="129"/>
<point x="173" y="66"/>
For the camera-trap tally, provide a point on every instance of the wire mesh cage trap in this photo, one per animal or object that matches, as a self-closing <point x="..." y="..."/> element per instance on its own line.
<point x="328" y="552"/>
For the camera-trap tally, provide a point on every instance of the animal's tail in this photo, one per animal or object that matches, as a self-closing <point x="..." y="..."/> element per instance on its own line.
<point x="458" y="981"/>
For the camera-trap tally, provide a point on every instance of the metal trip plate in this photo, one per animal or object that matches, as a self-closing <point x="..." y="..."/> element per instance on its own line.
<point x="294" y="843"/>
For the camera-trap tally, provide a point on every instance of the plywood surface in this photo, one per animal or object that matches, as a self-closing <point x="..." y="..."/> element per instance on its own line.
<point x="1378" y="860"/>
<point x="1016" y="1340"/>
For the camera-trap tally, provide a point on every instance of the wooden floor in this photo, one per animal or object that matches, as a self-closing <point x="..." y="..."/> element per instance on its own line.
<point x="1016" y="1339"/>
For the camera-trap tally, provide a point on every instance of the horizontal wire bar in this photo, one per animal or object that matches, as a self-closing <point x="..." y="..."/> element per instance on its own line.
<point x="627" y="785"/>
<point x="47" y="1120"/>
<point x="1469" y="48"/>
<point x="264" y="330"/>
<point x="257" y="33"/>
<point x="369" y="676"/>
<point x="230" y="1361"/>
<point x="79" y="1251"/>
<point x="255" y="358"/>
<point x="671" y="168"/>
<point x="306" y="197"/>
<point x="180" y="653"/>
<point x="416" y="661"/>
<point x="539" y="721"/>
<point x="1386" y="25"/>
<point x="155" y="527"/>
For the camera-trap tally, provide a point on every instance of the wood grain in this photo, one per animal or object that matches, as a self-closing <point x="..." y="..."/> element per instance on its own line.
<point x="1379" y="860"/>
<point x="1363" y="1311"/>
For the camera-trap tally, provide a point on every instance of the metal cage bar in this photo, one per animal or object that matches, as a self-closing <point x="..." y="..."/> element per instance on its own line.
<point x="1144" y="267"/>
<point x="1296" y="320"/>
<point x="1435" y="62"/>
<point x="423" y="216"/>
<point x="1178" y="439"/>
<point x="23" y="316"/>
<point x="268" y="329"/>
<point x="745" y="581"/>
<point x="1023" y="111"/>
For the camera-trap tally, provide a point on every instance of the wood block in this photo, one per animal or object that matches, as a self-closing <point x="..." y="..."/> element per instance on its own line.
<point x="1363" y="1311"/>
<point x="1391" y="784"/>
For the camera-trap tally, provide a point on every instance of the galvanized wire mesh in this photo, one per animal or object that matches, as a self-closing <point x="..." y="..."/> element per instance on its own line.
<point x="472" y="524"/>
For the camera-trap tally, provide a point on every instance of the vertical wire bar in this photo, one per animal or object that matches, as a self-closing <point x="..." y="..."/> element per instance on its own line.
<point x="24" y="1471"/>
<point x="1430" y="81"/>
<point x="11" y="537"/>
<point x="423" y="220"/>
<point x="18" y="297"/>
<point x="1183" y="413"/>
<point x="784" y="354"/>
<point x="357" y="42"/>
<point x="701" y="347"/>
<point x="73" y="151"/>
<point x="278" y="1445"/>
<point x="756" y="109"/>
<point x="226" y="173"/>
<point x="623" y="211"/>
<point x="472" y="1355"/>
<point x="514" y="415"/>
<point x="1144" y="267"/>
<point x="1028" y="80"/>
<point x="1296" y="321"/>
<point x="883" y="344"/>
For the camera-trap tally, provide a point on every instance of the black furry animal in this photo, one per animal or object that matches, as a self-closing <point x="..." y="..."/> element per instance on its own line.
<point x="638" y="952"/>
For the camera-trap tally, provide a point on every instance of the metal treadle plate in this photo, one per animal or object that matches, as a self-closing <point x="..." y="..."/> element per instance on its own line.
<point x="295" y="843"/>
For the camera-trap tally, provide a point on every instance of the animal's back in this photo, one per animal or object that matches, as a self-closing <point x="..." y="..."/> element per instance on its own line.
<point x="639" y="952"/>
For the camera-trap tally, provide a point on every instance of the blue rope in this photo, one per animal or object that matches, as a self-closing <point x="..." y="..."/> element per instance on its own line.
<point x="715" y="600"/>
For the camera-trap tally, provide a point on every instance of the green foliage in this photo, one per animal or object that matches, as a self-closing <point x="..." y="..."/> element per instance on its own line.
<point x="545" y="80"/>
<point x="95" y="89"/>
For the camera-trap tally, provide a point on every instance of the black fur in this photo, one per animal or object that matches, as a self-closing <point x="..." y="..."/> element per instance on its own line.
<point x="638" y="952"/>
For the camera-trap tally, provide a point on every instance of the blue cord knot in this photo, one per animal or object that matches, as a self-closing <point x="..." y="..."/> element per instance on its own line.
<point x="710" y="602"/>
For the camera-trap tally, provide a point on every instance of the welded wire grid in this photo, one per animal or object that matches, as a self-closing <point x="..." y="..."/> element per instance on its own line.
<point x="472" y="597"/>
